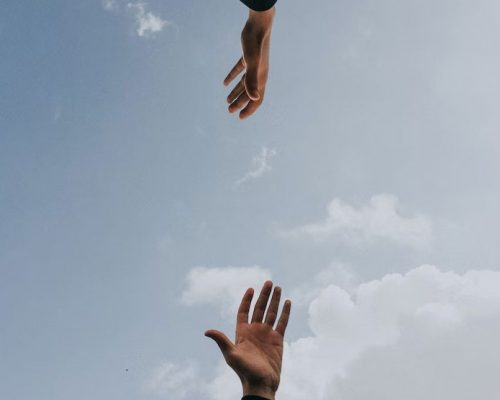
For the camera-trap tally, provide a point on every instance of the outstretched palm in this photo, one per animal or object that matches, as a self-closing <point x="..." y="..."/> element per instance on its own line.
<point x="257" y="352"/>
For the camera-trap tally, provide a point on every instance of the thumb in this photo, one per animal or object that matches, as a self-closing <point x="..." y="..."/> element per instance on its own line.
<point x="252" y="55"/>
<point x="222" y="340"/>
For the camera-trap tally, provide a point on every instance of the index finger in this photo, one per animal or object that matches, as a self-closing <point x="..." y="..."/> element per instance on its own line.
<point x="239" y="66"/>
<point x="243" y="310"/>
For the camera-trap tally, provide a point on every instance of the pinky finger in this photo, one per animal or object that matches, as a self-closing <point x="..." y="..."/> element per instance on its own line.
<point x="285" y="315"/>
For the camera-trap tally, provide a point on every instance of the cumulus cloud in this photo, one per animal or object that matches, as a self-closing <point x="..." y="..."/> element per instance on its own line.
<point x="261" y="165"/>
<point x="147" y="23"/>
<point x="387" y="329"/>
<point x="342" y="274"/>
<point x="222" y="287"/>
<point x="426" y="334"/>
<point x="381" y="218"/>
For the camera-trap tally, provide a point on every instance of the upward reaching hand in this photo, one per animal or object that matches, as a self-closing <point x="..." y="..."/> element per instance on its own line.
<point x="257" y="352"/>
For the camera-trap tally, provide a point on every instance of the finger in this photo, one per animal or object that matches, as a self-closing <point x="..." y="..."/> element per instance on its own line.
<point x="225" y="345"/>
<point x="283" y="321"/>
<point x="260" y="306"/>
<point x="238" y="89"/>
<point x="246" y="301"/>
<point x="272" y="311"/>
<point x="238" y="67"/>
<point x="252" y="55"/>
<point x="240" y="102"/>
<point x="250" y="108"/>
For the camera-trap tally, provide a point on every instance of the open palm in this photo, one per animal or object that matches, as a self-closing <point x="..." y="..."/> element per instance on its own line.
<point x="256" y="355"/>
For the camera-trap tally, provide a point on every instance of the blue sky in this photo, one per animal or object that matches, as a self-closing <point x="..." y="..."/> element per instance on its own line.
<point x="121" y="172"/>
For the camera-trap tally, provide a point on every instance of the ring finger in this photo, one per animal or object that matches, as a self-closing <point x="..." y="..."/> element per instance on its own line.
<point x="240" y="102"/>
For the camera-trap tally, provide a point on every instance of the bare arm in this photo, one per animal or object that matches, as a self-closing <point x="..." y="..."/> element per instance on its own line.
<point x="257" y="352"/>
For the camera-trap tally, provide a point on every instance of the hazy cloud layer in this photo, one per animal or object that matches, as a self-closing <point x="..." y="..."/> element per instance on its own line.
<point x="222" y="287"/>
<point x="110" y="5"/>
<point x="381" y="218"/>
<point x="173" y="378"/>
<point x="426" y="334"/>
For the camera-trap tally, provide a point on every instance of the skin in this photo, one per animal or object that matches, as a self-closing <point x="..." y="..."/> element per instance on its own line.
<point x="248" y="94"/>
<point x="257" y="352"/>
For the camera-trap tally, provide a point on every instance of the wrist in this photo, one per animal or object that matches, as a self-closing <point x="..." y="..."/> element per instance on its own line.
<point x="263" y="19"/>
<point x="259" y="390"/>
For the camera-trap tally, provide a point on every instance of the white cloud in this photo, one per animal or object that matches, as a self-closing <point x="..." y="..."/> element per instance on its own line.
<point x="426" y="334"/>
<point x="147" y="23"/>
<point x="391" y="328"/>
<point x="222" y="287"/>
<point x="379" y="219"/>
<point x="261" y="165"/>
<point x="342" y="274"/>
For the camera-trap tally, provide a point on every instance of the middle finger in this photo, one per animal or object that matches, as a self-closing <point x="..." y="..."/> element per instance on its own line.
<point x="237" y="90"/>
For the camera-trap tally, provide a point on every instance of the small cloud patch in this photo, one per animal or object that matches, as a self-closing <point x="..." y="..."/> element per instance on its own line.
<point x="261" y="166"/>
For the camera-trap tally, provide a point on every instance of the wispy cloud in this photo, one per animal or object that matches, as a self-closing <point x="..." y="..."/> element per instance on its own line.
<point x="381" y="218"/>
<point x="147" y="23"/>
<point x="261" y="165"/>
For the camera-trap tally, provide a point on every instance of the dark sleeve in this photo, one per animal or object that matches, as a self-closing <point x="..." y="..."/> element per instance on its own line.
<point x="252" y="397"/>
<point x="259" y="5"/>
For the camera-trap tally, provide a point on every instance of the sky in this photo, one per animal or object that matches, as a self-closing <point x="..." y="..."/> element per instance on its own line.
<point x="135" y="210"/>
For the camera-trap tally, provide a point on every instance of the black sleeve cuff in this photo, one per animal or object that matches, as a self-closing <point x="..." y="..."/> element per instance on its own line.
<point x="252" y="397"/>
<point x="259" y="5"/>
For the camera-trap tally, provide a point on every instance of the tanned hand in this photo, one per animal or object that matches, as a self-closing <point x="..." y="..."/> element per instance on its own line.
<point x="257" y="352"/>
<point x="248" y="94"/>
